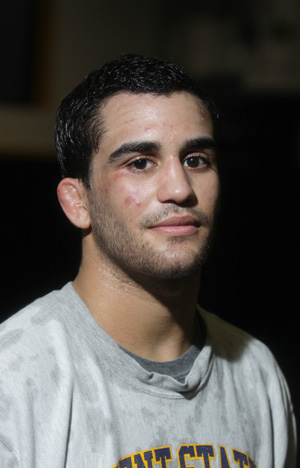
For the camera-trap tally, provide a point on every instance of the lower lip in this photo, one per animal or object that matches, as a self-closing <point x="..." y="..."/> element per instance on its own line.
<point x="186" y="230"/>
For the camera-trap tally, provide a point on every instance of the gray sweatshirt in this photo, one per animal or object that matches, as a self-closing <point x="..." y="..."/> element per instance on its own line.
<point x="71" y="397"/>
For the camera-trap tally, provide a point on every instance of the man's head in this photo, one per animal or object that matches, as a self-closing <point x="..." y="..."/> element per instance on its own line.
<point x="79" y="125"/>
<point x="137" y="149"/>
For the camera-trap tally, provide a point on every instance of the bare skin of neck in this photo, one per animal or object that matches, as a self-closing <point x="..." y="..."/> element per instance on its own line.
<point x="158" y="325"/>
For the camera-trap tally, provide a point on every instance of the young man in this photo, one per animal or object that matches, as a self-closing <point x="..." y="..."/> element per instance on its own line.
<point x="121" y="368"/>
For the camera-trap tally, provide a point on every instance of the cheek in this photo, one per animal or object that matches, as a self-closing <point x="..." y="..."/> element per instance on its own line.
<point x="131" y="195"/>
<point x="132" y="200"/>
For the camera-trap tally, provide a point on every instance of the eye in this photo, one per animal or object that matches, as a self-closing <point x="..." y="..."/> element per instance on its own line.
<point x="141" y="164"/>
<point x="195" y="162"/>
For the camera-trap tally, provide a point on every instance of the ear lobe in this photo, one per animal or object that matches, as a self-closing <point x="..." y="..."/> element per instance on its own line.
<point x="73" y="200"/>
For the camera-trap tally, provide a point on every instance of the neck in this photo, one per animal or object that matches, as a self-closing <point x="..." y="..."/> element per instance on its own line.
<point x="156" y="323"/>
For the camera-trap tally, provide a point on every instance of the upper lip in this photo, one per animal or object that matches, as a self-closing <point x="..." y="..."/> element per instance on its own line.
<point x="179" y="221"/>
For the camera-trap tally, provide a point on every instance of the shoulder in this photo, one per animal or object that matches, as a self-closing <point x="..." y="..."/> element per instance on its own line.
<point x="241" y="351"/>
<point x="248" y="363"/>
<point x="36" y="373"/>
<point x="28" y="331"/>
<point x="229" y="339"/>
<point x="247" y="367"/>
<point x="40" y="311"/>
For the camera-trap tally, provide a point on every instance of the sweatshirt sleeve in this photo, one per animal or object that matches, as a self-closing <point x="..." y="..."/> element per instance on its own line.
<point x="285" y="434"/>
<point x="8" y="430"/>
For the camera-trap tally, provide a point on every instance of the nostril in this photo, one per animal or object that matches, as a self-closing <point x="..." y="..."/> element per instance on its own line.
<point x="175" y="192"/>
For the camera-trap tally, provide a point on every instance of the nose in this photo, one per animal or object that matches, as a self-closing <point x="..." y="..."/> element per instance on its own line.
<point x="174" y="184"/>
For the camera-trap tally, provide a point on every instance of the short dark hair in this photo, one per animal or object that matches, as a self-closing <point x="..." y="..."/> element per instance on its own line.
<point x="78" y="124"/>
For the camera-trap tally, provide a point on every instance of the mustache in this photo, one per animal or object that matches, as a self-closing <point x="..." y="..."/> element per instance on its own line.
<point x="153" y="218"/>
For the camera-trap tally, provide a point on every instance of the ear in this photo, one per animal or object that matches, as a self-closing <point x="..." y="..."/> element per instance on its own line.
<point x="73" y="200"/>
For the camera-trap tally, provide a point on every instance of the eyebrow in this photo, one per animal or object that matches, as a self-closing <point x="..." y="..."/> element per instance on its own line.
<point x="199" y="143"/>
<point x="133" y="147"/>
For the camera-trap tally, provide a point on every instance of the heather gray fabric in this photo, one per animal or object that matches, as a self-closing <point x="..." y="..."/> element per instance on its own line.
<point x="70" y="397"/>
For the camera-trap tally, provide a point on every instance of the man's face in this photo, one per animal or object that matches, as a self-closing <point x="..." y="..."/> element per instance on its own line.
<point x="154" y="185"/>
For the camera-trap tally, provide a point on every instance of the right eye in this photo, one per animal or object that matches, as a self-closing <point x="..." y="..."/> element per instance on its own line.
<point x="141" y="164"/>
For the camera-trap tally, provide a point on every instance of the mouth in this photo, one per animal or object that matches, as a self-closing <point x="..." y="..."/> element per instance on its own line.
<point x="177" y="226"/>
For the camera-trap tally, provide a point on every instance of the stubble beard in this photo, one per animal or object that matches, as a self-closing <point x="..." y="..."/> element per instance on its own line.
<point x="133" y="258"/>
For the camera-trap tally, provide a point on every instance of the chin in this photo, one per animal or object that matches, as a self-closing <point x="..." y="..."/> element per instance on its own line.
<point x="166" y="268"/>
<point x="179" y="272"/>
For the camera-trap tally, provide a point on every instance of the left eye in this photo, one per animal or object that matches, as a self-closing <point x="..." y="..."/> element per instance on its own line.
<point x="195" y="162"/>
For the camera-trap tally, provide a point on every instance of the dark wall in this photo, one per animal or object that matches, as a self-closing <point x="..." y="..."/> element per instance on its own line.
<point x="40" y="248"/>
<point x="252" y="276"/>
<point x="18" y="27"/>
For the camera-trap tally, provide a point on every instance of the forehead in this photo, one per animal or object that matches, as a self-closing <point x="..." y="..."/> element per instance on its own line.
<point x="127" y="115"/>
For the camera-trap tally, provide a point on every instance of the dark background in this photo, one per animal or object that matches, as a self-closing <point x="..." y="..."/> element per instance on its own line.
<point x="18" y="45"/>
<point x="252" y="277"/>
